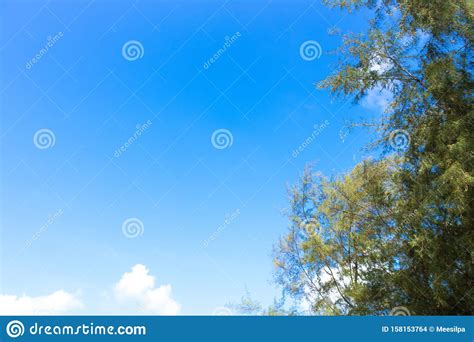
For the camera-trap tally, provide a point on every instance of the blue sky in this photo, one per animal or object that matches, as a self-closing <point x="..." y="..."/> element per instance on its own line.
<point x="63" y="205"/>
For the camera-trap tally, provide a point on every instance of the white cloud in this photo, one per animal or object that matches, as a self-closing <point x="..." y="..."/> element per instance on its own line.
<point x="58" y="302"/>
<point x="134" y="293"/>
<point x="331" y="296"/>
<point x="377" y="99"/>
<point x="138" y="287"/>
<point x="134" y="283"/>
<point x="380" y="65"/>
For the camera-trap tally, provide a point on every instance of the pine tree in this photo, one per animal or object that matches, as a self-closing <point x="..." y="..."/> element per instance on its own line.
<point x="399" y="230"/>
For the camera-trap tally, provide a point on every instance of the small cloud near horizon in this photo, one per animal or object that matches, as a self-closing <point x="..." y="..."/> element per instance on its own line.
<point x="135" y="292"/>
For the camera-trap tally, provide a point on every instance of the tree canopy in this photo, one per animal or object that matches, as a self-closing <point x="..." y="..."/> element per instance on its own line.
<point x="397" y="230"/>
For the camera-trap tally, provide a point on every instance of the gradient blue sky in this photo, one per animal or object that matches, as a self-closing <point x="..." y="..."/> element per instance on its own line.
<point x="171" y="178"/>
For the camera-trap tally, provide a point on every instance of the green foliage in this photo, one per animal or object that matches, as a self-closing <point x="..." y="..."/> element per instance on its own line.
<point x="399" y="230"/>
<point x="249" y="306"/>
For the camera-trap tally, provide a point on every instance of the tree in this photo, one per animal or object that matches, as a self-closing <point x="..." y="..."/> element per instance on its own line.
<point x="339" y="240"/>
<point x="404" y="236"/>
<point x="250" y="307"/>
